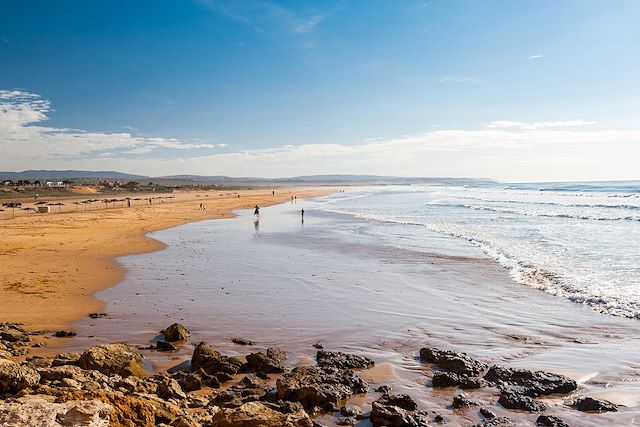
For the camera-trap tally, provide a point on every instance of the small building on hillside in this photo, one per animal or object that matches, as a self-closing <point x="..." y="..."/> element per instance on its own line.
<point x="44" y="209"/>
<point x="55" y="184"/>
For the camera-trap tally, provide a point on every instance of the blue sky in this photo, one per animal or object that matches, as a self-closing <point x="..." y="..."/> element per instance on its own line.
<point x="514" y="90"/>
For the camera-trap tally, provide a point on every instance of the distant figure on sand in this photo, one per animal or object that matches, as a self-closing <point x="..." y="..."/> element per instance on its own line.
<point x="273" y="193"/>
<point x="302" y="213"/>
<point x="257" y="211"/>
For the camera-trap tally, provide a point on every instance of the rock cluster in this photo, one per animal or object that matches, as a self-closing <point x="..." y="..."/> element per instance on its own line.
<point x="106" y="385"/>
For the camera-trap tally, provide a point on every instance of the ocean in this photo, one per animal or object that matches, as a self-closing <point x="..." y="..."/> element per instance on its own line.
<point x="579" y="241"/>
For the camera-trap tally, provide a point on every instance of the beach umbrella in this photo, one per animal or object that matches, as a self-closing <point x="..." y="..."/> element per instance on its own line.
<point x="13" y="206"/>
<point x="40" y="203"/>
<point x="58" y="205"/>
<point x="30" y="209"/>
<point x="77" y="204"/>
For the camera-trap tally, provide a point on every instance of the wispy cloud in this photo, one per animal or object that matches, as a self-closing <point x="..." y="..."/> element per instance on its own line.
<point x="264" y="16"/>
<point x="536" y="56"/>
<point x="500" y="149"/>
<point x="451" y="79"/>
<point x="500" y="124"/>
<point x="22" y="115"/>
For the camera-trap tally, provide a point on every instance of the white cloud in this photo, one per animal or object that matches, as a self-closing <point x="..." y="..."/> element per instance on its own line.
<point x="536" y="56"/>
<point x="501" y="124"/>
<point x="21" y="130"/>
<point x="509" y="150"/>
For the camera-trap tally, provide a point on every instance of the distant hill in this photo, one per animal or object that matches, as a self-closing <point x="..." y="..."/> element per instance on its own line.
<point x="68" y="174"/>
<point x="210" y="180"/>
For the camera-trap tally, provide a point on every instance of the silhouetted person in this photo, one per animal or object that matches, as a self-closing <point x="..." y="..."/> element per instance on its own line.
<point x="273" y="193"/>
<point x="257" y="211"/>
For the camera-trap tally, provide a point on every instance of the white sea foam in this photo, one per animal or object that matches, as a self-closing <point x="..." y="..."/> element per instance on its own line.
<point x="584" y="252"/>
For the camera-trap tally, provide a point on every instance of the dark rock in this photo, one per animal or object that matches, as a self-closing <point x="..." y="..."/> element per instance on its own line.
<point x="244" y="391"/>
<point x="268" y="362"/>
<point x="344" y="421"/>
<point x="472" y="383"/>
<point x="321" y="387"/>
<point x="459" y="363"/>
<point x="170" y="389"/>
<point x="176" y="332"/>
<point x="189" y="381"/>
<point x="443" y="379"/>
<point x="13" y="333"/>
<point x="336" y="359"/>
<point x="487" y="414"/>
<point x="383" y="389"/>
<point x="594" y="405"/>
<point x="64" y="334"/>
<point x="461" y="401"/>
<point x="318" y="346"/>
<point x="349" y="411"/>
<point x="14" y="378"/>
<point x="512" y="400"/>
<point x="242" y="341"/>
<point x="438" y="418"/>
<point x="213" y="363"/>
<point x="39" y="345"/>
<point x="287" y="407"/>
<point x="112" y="359"/>
<point x="165" y="346"/>
<point x="397" y="411"/>
<point x="531" y="383"/>
<point x="97" y="315"/>
<point x="497" y="422"/>
<point x="550" y="421"/>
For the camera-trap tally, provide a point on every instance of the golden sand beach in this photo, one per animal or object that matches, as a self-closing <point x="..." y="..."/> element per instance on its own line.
<point x="52" y="264"/>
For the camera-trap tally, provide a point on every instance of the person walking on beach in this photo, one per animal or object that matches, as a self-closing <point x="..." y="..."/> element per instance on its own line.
<point x="257" y="211"/>
<point x="302" y="213"/>
<point x="273" y="192"/>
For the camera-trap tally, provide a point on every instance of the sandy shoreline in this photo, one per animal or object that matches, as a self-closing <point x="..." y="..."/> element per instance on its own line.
<point x="51" y="265"/>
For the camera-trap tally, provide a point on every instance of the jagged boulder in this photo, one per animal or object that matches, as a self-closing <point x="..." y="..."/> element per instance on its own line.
<point x="257" y="414"/>
<point x="14" y="377"/>
<point x="268" y="362"/>
<point x="213" y="363"/>
<point x="450" y="361"/>
<point x="112" y="359"/>
<point x="319" y="387"/>
<point x="550" y="421"/>
<point x="498" y="422"/>
<point x="531" y="383"/>
<point x="397" y="411"/>
<point x="462" y="401"/>
<point x="512" y="400"/>
<point x="337" y="359"/>
<point x="590" y="404"/>
<point x="41" y="411"/>
<point x="176" y="332"/>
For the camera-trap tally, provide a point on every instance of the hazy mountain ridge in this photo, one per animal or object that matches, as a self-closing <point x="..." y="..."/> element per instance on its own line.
<point x="200" y="179"/>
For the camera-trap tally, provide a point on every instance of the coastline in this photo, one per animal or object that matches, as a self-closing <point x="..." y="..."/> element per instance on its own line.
<point x="52" y="265"/>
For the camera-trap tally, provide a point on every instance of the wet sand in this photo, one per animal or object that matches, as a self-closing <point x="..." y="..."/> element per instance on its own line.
<point x="51" y="265"/>
<point x="332" y="280"/>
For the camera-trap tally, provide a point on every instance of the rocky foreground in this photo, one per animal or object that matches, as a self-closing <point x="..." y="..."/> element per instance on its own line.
<point x="106" y="385"/>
